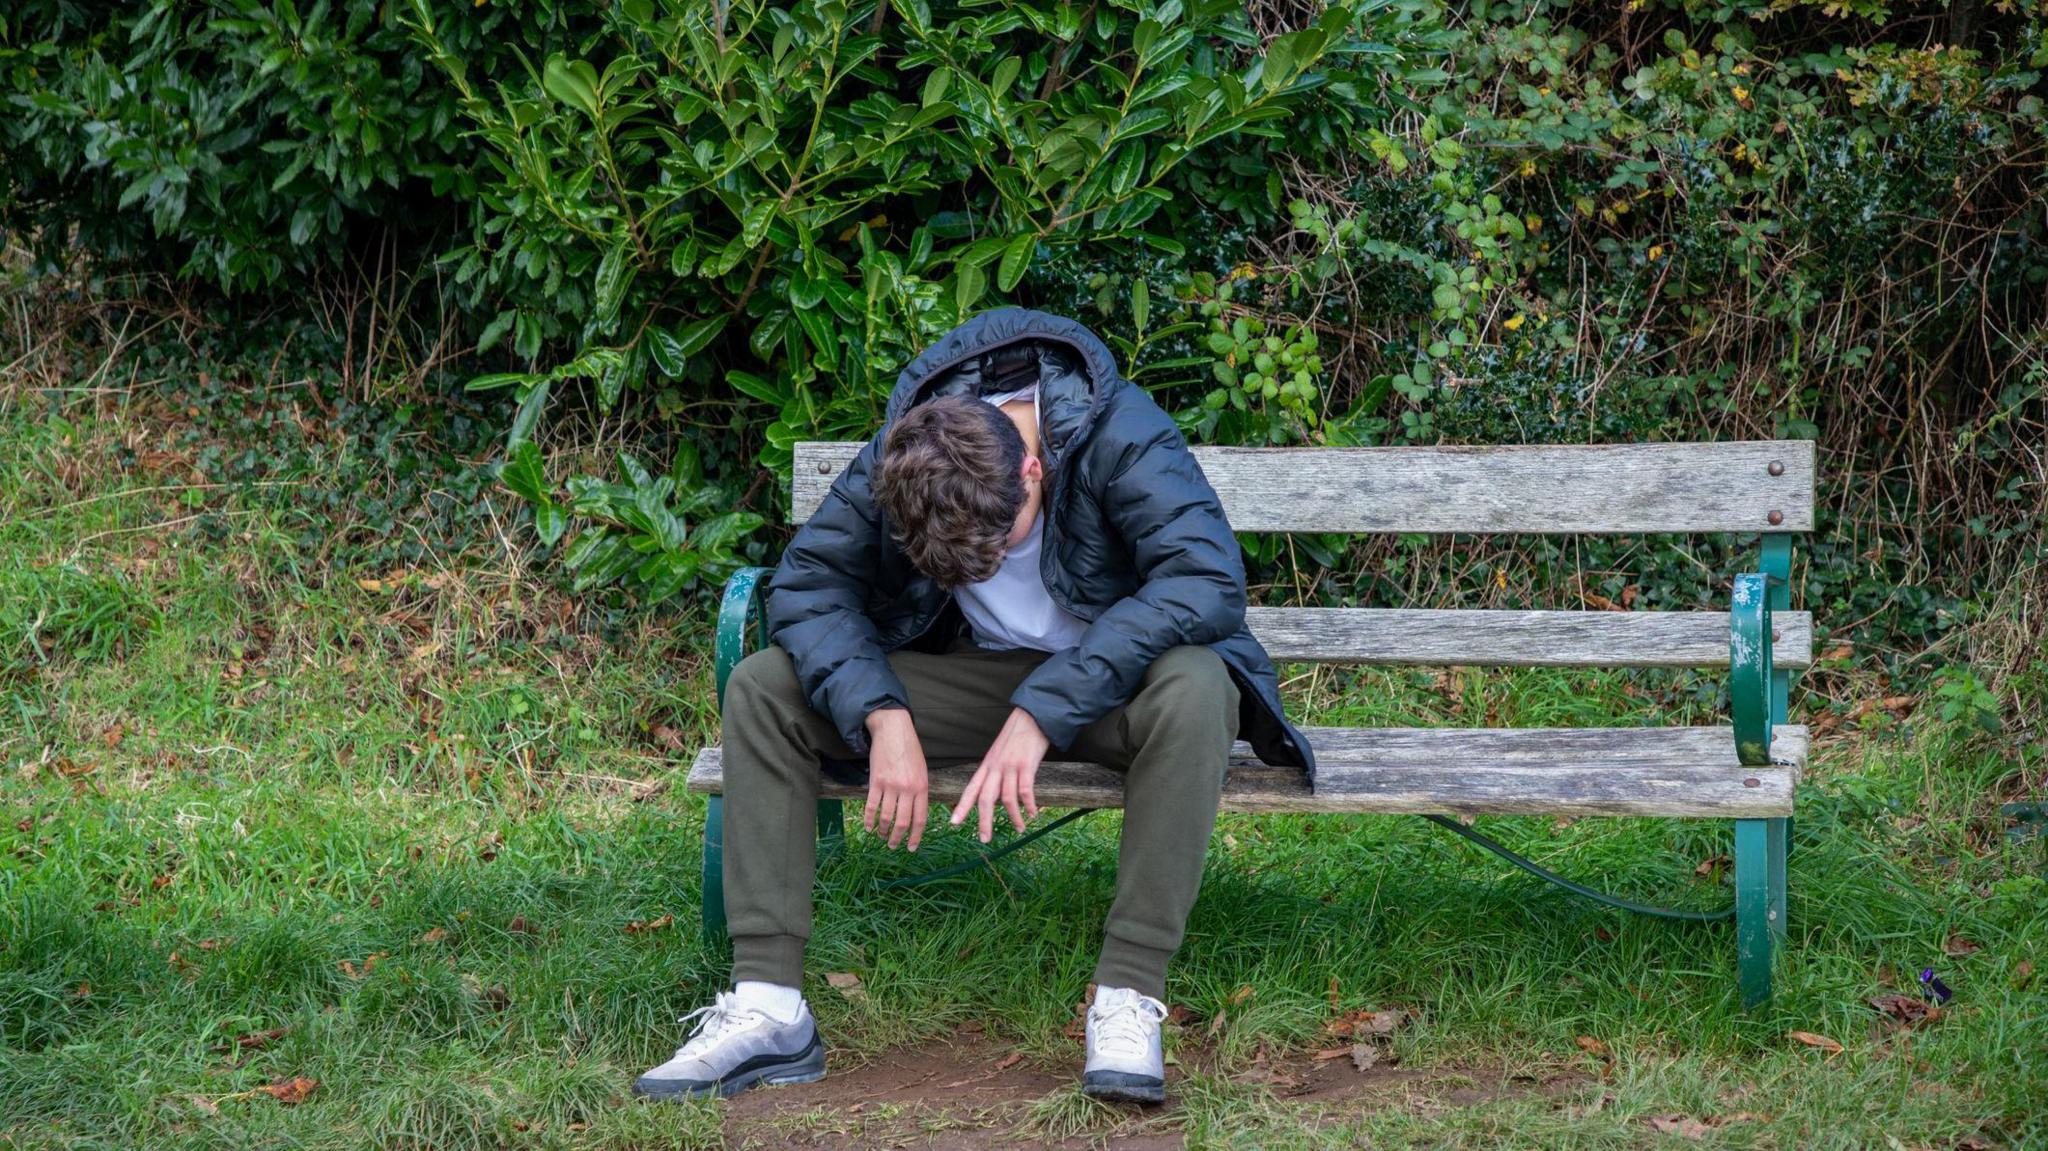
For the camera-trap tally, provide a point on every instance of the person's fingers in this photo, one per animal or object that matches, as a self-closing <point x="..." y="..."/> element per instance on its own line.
<point x="872" y="808"/>
<point x="887" y="819"/>
<point x="918" y="815"/>
<point x="967" y="797"/>
<point x="987" y="804"/>
<point x="1010" y="799"/>
<point x="1026" y="793"/>
<point x="900" y="825"/>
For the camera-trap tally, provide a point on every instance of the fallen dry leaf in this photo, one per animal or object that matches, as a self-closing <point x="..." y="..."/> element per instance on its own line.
<point x="642" y="926"/>
<point x="203" y="1105"/>
<point x="1684" y="1126"/>
<point x="846" y="983"/>
<point x="1361" y="1023"/>
<point x="2022" y="974"/>
<point x="1906" y="1009"/>
<point x="667" y="737"/>
<point x="290" y="1091"/>
<point x="1812" y="1040"/>
<point x="1329" y="1053"/>
<point x="1713" y="865"/>
<point x="647" y="789"/>
<point x="255" y="1040"/>
<point x="84" y="991"/>
<point x="1364" y="1055"/>
<point x="1839" y="651"/>
<point x="434" y="935"/>
<point x="1961" y="945"/>
<point x="369" y="964"/>
<point x="1592" y="1046"/>
<point x="520" y="925"/>
<point x="1009" y="1061"/>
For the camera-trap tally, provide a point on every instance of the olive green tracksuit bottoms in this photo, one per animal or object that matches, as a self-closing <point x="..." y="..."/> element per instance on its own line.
<point x="1171" y="741"/>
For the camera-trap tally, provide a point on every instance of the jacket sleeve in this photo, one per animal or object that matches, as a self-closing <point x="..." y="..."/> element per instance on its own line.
<point x="1191" y="587"/>
<point x="817" y="608"/>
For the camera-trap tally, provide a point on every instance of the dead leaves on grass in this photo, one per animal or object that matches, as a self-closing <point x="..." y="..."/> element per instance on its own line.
<point x="643" y="926"/>
<point x="253" y="1041"/>
<point x="847" y="984"/>
<point x="1687" y="1127"/>
<point x="290" y="1091"/>
<point x="1903" y="1012"/>
<point x="362" y="971"/>
<point x="1365" y="1024"/>
<point x="1821" y="1042"/>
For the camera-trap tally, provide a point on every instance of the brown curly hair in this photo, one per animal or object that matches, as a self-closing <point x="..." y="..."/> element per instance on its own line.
<point x="950" y="482"/>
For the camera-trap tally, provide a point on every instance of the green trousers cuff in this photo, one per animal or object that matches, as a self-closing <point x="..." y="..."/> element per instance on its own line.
<point x="1132" y="965"/>
<point x="769" y="958"/>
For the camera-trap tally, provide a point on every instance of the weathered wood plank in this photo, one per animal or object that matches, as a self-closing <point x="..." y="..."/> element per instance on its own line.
<point x="1522" y="489"/>
<point x="1516" y="638"/>
<point x="1389" y="771"/>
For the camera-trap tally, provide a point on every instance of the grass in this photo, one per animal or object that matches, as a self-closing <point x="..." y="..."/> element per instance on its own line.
<point x="404" y="819"/>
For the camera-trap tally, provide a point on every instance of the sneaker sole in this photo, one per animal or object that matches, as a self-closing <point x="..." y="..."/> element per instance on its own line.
<point x="1123" y="1087"/>
<point x="807" y="1067"/>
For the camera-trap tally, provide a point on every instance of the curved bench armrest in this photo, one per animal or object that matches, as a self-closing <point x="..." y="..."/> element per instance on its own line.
<point x="740" y="620"/>
<point x="1749" y="667"/>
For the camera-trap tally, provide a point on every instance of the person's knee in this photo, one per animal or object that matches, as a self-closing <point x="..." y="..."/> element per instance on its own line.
<point x="768" y="674"/>
<point x="1193" y="681"/>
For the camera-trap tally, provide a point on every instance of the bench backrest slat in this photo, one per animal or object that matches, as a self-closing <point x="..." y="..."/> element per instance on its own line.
<point x="1741" y="486"/>
<point x="1438" y="638"/>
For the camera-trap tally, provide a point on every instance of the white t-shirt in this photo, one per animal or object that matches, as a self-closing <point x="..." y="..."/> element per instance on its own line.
<point x="1012" y="609"/>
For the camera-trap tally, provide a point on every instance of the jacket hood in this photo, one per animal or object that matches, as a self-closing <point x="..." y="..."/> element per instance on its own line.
<point x="1004" y="349"/>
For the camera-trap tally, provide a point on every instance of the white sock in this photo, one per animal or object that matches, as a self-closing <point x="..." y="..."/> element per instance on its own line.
<point x="771" y="999"/>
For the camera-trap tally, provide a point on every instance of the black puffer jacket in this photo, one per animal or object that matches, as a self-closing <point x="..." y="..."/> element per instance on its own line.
<point x="1135" y="543"/>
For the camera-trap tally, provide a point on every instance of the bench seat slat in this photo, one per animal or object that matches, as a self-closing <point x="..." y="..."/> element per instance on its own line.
<point x="1549" y="771"/>
<point x="1521" y="489"/>
<point x="1419" y="636"/>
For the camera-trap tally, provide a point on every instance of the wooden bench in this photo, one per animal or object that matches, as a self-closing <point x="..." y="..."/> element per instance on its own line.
<point x="1745" y="772"/>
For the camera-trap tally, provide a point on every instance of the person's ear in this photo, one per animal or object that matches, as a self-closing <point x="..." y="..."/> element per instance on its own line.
<point x="1033" y="471"/>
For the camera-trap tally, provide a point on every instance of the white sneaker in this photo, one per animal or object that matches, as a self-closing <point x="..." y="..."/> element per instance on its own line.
<point x="1125" y="1058"/>
<point x="734" y="1048"/>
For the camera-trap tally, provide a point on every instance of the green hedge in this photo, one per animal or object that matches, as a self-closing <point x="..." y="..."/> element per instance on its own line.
<point x="1360" y="222"/>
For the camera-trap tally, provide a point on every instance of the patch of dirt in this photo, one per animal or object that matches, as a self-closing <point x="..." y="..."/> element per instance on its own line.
<point x="969" y="1093"/>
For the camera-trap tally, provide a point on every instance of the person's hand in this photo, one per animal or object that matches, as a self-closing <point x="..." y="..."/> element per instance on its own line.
<point x="899" y="787"/>
<point x="1006" y="773"/>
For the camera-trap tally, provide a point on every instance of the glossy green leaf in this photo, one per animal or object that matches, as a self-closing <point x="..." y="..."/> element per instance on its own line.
<point x="1016" y="260"/>
<point x="573" y="82"/>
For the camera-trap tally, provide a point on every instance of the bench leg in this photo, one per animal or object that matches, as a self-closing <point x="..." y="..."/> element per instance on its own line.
<point x="1760" y="849"/>
<point x="714" y="871"/>
<point x="831" y="828"/>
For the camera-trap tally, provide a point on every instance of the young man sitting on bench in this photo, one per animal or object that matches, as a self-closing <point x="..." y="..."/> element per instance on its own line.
<point x="1026" y="558"/>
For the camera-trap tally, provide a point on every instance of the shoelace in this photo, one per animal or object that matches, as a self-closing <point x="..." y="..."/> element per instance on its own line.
<point x="1126" y="1029"/>
<point x="721" y="1018"/>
